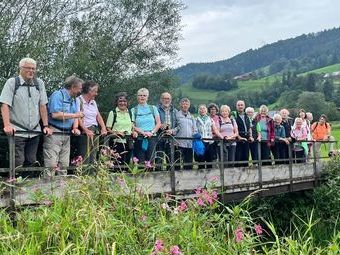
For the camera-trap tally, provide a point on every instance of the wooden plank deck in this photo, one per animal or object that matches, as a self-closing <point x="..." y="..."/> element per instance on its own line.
<point x="238" y="182"/>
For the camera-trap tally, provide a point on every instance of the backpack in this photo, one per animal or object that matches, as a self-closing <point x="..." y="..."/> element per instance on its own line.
<point x="16" y="87"/>
<point x="220" y="121"/>
<point x="115" y="117"/>
<point x="316" y="125"/>
<point x="18" y="84"/>
<point x="152" y="110"/>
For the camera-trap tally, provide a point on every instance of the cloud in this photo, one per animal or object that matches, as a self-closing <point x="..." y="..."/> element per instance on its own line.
<point x="216" y="30"/>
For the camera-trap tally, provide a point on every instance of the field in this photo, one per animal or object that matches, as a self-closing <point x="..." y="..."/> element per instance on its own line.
<point x="199" y="96"/>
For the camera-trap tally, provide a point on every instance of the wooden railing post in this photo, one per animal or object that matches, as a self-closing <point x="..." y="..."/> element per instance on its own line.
<point x="290" y="156"/>
<point x="11" y="205"/>
<point x="222" y="168"/>
<point x="316" y="172"/>
<point x="259" y="165"/>
<point x="172" y="170"/>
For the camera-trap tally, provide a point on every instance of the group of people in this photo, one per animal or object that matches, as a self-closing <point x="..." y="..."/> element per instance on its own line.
<point x="146" y="131"/>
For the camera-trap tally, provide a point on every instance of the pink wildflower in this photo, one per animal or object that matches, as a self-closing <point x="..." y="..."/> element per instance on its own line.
<point x="104" y="152"/>
<point x="214" y="178"/>
<point x="198" y="190"/>
<point x="183" y="206"/>
<point x="200" y="202"/>
<point x="174" y="250"/>
<point x="239" y="234"/>
<point x="214" y="195"/>
<point x="109" y="164"/>
<point x="258" y="229"/>
<point x="148" y="164"/>
<point x="57" y="168"/>
<point x="11" y="180"/>
<point x="144" y="218"/>
<point x="135" y="160"/>
<point x="121" y="181"/>
<point x="159" y="246"/>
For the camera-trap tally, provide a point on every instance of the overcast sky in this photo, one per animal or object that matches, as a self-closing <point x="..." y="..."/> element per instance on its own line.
<point x="216" y="30"/>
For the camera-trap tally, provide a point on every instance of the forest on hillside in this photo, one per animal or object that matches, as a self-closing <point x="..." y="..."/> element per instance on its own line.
<point x="303" y="53"/>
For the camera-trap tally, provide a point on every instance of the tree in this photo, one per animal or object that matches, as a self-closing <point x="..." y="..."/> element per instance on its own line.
<point x="328" y="89"/>
<point x="315" y="102"/>
<point x="101" y="40"/>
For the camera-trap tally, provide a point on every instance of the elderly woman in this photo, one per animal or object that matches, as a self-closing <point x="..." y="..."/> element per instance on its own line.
<point x="229" y="131"/>
<point x="146" y="123"/>
<point x="266" y="133"/>
<point x="213" y="113"/>
<point x="119" y="124"/>
<point x="92" y="123"/>
<point x="206" y="127"/>
<point x="185" y="127"/>
<point x="253" y="144"/>
<point x="278" y="150"/>
<point x="299" y="135"/>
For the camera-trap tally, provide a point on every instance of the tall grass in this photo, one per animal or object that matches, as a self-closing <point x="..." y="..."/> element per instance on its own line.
<point x="110" y="214"/>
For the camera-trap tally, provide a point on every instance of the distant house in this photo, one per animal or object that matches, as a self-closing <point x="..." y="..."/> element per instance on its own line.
<point x="332" y="75"/>
<point x="245" y="76"/>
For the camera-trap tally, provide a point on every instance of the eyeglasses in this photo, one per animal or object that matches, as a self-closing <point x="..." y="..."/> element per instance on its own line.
<point x="166" y="98"/>
<point x="142" y="95"/>
<point x="122" y="101"/>
<point x="29" y="68"/>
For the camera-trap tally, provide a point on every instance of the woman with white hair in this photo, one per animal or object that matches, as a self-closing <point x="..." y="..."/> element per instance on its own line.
<point x="267" y="133"/>
<point x="229" y="131"/>
<point x="206" y="127"/>
<point x="299" y="134"/>
<point x="146" y="123"/>
<point x="278" y="150"/>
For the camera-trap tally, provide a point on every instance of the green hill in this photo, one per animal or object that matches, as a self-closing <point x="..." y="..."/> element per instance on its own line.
<point x="301" y="54"/>
<point x="198" y="96"/>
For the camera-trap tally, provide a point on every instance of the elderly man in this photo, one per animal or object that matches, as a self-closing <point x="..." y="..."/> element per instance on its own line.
<point x="245" y="134"/>
<point x="24" y="102"/>
<point x="185" y="127"/>
<point x="63" y="117"/>
<point x="167" y="114"/>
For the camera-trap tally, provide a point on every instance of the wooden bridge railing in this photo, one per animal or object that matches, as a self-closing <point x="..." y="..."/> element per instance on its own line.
<point x="231" y="181"/>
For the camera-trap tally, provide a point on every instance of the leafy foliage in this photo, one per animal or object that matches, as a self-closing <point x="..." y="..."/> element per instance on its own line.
<point x="110" y="42"/>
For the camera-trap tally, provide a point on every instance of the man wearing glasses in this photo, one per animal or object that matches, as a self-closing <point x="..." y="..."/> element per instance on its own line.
<point x="167" y="114"/>
<point x="24" y="102"/>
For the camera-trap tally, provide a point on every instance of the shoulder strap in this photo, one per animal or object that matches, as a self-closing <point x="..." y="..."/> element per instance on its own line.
<point x="17" y="85"/>
<point x="135" y="112"/>
<point x="36" y="84"/>
<point x="152" y="110"/>
<point x="114" y="117"/>
<point x="316" y="125"/>
<point x="81" y="104"/>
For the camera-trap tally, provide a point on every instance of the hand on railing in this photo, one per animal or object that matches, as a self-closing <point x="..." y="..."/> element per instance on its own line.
<point x="9" y="130"/>
<point x="47" y="131"/>
<point x="75" y="131"/>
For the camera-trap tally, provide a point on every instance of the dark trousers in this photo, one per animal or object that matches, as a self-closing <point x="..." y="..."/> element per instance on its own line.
<point x="242" y="153"/>
<point x="208" y="155"/>
<point x="26" y="150"/>
<point x="163" y="154"/>
<point x="279" y="152"/>
<point x="265" y="153"/>
<point x="254" y="151"/>
<point x="228" y="155"/>
<point x="145" y="155"/>
<point x="186" y="155"/>
<point x="299" y="155"/>
<point x="124" y="152"/>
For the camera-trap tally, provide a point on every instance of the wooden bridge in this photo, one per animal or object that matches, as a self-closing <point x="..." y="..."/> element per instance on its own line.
<point x="233" y="183"/>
